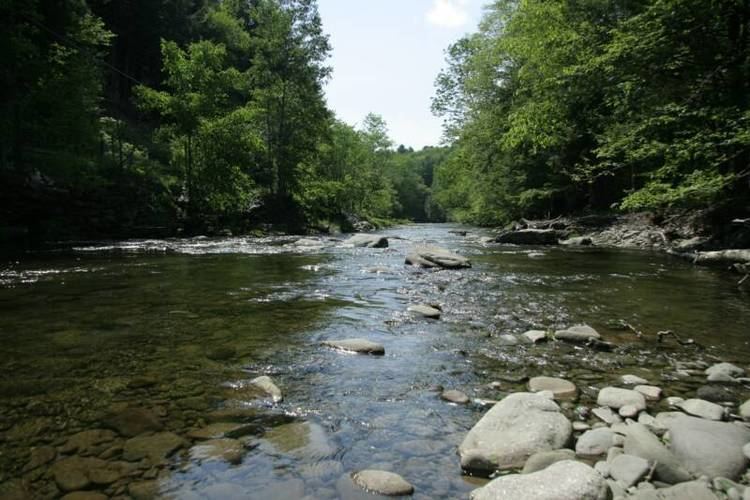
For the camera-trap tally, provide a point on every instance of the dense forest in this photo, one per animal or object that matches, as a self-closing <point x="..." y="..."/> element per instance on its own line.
<point x="135" y="117"/>
<point x="568" y="105"/>
<point x="139" y="117"/>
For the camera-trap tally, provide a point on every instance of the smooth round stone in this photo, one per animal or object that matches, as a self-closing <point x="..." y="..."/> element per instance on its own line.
<point x="578" y="333"/>
<point x="703" y="409"/>
<point x="628" y="411"/>
<point x="535" y="336"/>
<point x="561" y="388"/>
<point x="268" y="386"/>
<point x="229" y="450"/>
<point x="594" y="443"/>
<point x="745" y="410"/>
<point x="721" y="371"/>
<point x="616" y="398"/>
<point x="581" y="426"/>
<point x="454" y="396"/>
<point x="382" y="482"/>
<point x="650" y="392"/>
<point x="628" y="469"/>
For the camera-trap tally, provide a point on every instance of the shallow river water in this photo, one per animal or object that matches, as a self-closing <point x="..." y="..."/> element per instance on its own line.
<point x="155" y="340"/>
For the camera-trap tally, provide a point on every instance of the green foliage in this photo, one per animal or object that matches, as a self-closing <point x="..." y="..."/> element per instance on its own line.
<point x="566" y="105"/>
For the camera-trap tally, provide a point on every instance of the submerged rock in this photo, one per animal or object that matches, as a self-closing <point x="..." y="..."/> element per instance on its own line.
<point x="566" y="480"/>
<point x="228" y="450"/>
<point x="155" y="447"/>
<point x="367" y="240"/>
<point x="709" y="448"/>
<point x="359" y="346"/>
<point x="383" y="483"/>
<point x="131" y="422"/>
<point x="513" y="430"/>
<point x="267" y="385"/>
<point x="425" y="311"/>
<point x="431" y="256"/>
<point x="578" y="333"/>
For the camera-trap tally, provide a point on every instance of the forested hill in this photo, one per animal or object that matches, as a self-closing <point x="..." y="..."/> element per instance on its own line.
<point x="140" y="117"/>
<point x="567" y="105"/>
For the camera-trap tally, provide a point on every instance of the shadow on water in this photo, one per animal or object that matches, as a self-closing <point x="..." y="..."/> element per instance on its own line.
<point x="129" y="359"/>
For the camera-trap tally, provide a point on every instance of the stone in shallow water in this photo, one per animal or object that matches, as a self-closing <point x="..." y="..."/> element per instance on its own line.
<point x="724" y="372"/>
<point x="382" y="482"/>
<point x="628" y="411"/>
<point x="431" y="256"/>
<point x="131" y="422"/>
<point x="78" y="473"/>
<point x="535" y="336"/>
<point x="86" y="441"/>
<point x="359" y="346"/>
<point x="221" y="430"/>
<point x="425" y="311"/>
<point x="454" y="396"/>
<point x="578" y="333"/>
<point x="560" y="388"/>
<point x="229" y="450"/>
<point x="513" y="430"/>
<point x="633" y="380"/>
<point x="629" y="469"/>
<point x="566" y="480"/>
<point x="302" y="440"/>
<point x="267" y="385"/>
<point x="703" y="409"/>
<point x="709" y="448"/>
<point x="616" y="398"/>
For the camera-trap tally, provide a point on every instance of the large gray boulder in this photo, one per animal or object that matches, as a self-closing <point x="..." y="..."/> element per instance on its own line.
<point x="709" y="448"/>
<point x="616" y="398"/>
<point x="367" y="240"/>
<point x="531" y="237"/>
<point x="640" y="442"/>
<point x="514" y="429"/>
<point x="431" y="256"/>
<point x="566" y="480"/>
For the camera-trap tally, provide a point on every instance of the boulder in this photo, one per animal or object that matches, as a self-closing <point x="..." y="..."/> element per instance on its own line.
<point x="560" y="388"/>
<point x="566" y="480"/>
<point x="511" y="431"/>
<point x="382" y="483"/>
<point x="616" y="398"/>
<point x="709" y="448"/>
<point x="358" y="346"/>
<point x="595" y="443"/>
<point x="703" y="409"/>
<point x="367" y="240"/>
<point x="628" y="469"/>
<point x="430" y="256"/>
<point x="267" y="385"/>
<point x="531" y="237"/>
<point x="578" y="333"/>
<point x="544" y="459"/>
<point x="425" y="311"/>
<point x="650" y="392"/>
<point x="640" y="442"/>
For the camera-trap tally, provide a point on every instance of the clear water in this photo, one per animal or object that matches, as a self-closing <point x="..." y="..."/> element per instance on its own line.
<point x="176" y="327"/>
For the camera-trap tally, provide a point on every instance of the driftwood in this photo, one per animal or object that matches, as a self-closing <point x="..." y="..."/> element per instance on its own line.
<point x="734" y="256"/>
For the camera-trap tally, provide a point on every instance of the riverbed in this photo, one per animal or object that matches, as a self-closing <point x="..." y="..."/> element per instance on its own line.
<point x="175" y="329"/>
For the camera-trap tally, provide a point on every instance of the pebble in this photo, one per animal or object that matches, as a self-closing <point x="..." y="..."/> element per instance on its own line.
<point x="616" y="398"/>
<point x="650" y="392"/>
<point x="560" y="388"/>
<point x="454" y="396"/>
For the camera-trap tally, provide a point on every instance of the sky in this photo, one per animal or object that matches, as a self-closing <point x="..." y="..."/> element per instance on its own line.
<point x="386" y="56"/>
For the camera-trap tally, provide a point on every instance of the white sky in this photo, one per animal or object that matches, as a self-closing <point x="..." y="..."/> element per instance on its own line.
<point x="386" y="56"/>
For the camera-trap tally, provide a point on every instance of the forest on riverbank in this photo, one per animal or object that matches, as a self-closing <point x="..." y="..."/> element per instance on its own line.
<point x="556" y="107"/>
<point x="152" y="118"/>
<point x="146" y="117"/>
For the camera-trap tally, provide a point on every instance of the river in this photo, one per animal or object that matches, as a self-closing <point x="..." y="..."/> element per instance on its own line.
<point x="176" y="329"/>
